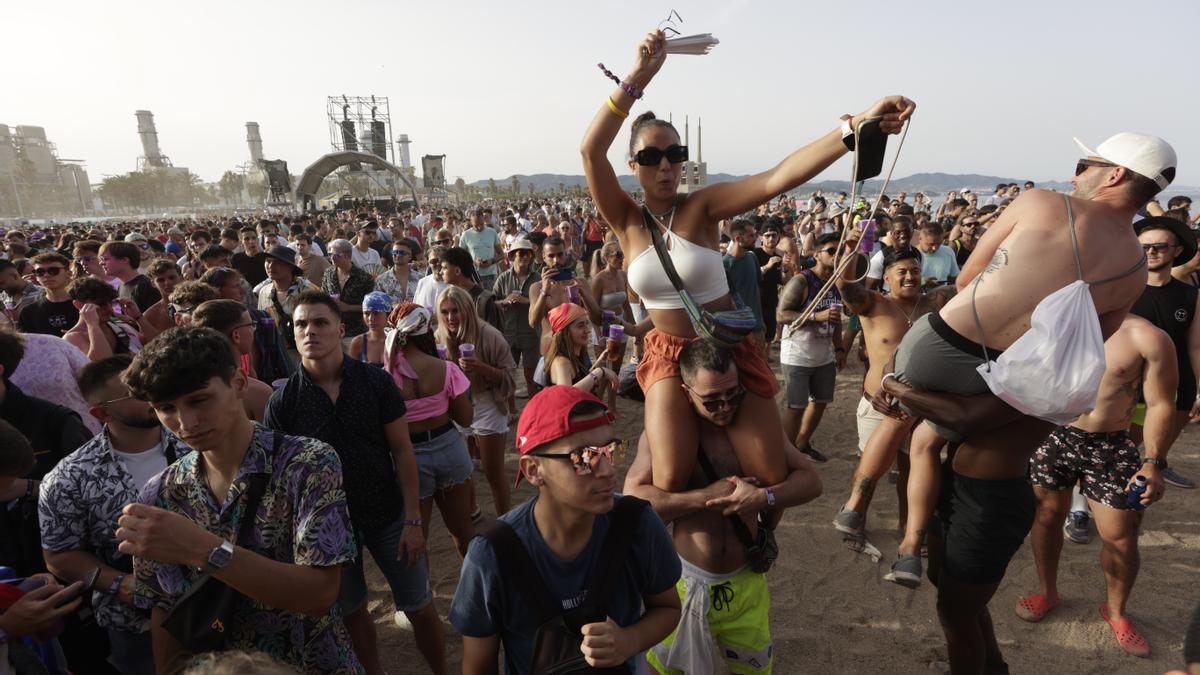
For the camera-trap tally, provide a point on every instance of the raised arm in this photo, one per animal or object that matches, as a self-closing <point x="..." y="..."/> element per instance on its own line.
<point x="617" y="207"/>
<point x="985" y="249"/>
<point x="726" y="200"/>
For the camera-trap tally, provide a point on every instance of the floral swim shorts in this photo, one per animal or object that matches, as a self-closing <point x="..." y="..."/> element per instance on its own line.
<point x="1101" y="462"/>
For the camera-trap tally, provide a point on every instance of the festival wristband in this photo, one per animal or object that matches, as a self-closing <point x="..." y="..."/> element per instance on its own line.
<point x="770" y="498"/>
<point x="115" y="586"/>
<point x="412" y="522"/>
<point x="1160" y="463"/>
<point x="616" y="111"/>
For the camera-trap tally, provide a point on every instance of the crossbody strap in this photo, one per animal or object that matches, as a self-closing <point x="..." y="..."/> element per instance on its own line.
<point x="517" y="567"/>
<point x="623" y="524"/>
<point x="254" y="493"/>
<point x="739" y="525"/>
<point x="660" y="247"/>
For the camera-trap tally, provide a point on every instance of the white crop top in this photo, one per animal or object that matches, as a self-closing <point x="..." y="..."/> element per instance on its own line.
<point x="699" y="268"/>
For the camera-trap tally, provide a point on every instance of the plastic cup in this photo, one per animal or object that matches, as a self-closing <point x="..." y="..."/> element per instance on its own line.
<point x="441" y="352"/>
<point x="616" y="332"/>
<point x="277" y="384"/>
<point x="573" y="294"/>
<point x="466" y="350"/>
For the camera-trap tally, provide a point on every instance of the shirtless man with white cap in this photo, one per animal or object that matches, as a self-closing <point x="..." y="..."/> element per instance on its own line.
<point x="1029" y="254"/>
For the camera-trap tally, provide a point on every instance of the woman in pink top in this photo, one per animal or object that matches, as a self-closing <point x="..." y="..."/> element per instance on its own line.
<point x="436" y="395"/>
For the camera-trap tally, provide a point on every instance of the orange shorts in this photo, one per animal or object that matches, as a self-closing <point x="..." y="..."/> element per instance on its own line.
<point x="660" y="359"/>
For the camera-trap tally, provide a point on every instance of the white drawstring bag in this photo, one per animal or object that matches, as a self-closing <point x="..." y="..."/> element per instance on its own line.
<point x="1053" y="371"/>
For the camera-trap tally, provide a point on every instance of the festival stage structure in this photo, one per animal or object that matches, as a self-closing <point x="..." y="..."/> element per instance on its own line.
<point x="362" y="158"/>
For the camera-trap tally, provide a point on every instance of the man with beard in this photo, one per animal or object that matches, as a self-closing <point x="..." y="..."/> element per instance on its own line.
<point x="716" y="562"/>
<point x="82" y="498"/>
<point x="987" y="506"/>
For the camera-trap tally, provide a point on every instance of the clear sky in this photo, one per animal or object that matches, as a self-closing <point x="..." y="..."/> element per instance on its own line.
<point x="509" y="87"/>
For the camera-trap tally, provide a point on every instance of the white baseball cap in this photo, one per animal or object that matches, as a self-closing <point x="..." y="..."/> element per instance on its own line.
<point x="1147" y="155"/>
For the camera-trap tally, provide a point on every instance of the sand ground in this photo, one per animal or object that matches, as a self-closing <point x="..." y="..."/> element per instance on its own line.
<point x="833" y="612"/>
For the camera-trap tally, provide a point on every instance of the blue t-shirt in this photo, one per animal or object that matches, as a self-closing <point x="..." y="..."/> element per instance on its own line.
<point x="941" y="264"/>
<point x="484" y="606"/>
<point x="743" y="275"/>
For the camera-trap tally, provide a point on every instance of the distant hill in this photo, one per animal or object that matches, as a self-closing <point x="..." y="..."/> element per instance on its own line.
<point x="935" y="183"/>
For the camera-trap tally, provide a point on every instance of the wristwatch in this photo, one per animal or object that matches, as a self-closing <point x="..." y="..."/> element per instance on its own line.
<point x="220" y="556"/>
<point x="1160" y="463"/>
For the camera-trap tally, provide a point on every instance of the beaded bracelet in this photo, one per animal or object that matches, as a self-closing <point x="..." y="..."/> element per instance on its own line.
<point x="628" y="88"/>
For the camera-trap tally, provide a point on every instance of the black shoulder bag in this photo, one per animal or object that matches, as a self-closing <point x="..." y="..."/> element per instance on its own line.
<point x="201" y="618"/>
<point x="285" y="320"/>
<point x="725" y="328"/>
<point x="761" y="551"/>
<point x="556" y="647"/>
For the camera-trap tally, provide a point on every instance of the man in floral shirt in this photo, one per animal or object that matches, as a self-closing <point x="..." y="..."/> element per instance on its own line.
<point x="401" y="279"/>
<point x="82" y="497"/>
<point x="190" y="515"/>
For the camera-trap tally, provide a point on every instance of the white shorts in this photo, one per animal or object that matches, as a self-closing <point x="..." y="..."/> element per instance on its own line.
<point x="869" y="420"/>
<point x="489" y="420"/>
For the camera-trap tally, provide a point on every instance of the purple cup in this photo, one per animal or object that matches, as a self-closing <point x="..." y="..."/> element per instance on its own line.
<point x="616" y="332"/>
<point x="573" y="293"/>
<point x="441" y="352"/>
<point x="466" y="350"/>
<point x="277" y="384"/>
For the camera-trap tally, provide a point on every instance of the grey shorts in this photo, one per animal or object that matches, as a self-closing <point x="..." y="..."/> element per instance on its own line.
<point x="525" y="351"/>
<point x="803" y="384"/>
<point x="933" y="357"/>
<point x="443" y="462"/>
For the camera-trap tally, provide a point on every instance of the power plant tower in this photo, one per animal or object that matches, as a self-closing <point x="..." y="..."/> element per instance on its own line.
<point x="152" y="156"/>
<point x="405" y="160"/>
<point x="254" y="140"/>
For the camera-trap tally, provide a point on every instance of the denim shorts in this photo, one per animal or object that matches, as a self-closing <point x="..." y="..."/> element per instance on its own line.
<point x="410" y="585"/>
<point x="443" y="462"/>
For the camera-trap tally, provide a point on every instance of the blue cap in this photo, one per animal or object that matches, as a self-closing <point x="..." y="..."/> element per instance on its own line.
<point x="377" y="301"/>
<point x="172" y="247"/>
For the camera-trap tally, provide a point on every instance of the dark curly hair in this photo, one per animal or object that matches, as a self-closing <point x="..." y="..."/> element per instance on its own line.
<point x="178" y="362"/>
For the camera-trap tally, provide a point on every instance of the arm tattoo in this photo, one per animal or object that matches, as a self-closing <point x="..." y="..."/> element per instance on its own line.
<point x="792" y="302"/>
<point x="854" y="293"/>
<point x="1000" y="259"/>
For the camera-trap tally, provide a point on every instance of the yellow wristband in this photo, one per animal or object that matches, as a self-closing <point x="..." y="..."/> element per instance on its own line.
<point x="616" y="111"/>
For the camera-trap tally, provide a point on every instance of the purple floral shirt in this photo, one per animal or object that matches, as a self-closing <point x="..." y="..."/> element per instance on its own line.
<point x="302" y="520"/>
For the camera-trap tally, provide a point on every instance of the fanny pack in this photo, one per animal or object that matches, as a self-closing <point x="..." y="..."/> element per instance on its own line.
<point x="726" y="328"/>
<point x="201" y="618"/>
<point x="761" y="549"/>
<point x="556" y="645"/>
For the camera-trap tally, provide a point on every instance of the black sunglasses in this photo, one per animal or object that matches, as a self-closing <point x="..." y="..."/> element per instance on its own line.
<point x="829" y="251"/>
<point x="1157" y="247"/>
<point x="442" y="242"/>
<point x="47" y="271"/>
<point x="653" y="156"/>
<point x="732" y="401"/>
<point x="1084" y="164"/>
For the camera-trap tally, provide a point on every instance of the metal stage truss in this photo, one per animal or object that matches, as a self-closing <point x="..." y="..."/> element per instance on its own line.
<point x="363" y="124"/>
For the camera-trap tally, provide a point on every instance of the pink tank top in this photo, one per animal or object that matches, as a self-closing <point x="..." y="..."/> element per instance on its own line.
<point x="435" y="404"/>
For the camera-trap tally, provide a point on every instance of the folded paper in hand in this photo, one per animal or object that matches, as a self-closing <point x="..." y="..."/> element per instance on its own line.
<point x="697" y="45"/>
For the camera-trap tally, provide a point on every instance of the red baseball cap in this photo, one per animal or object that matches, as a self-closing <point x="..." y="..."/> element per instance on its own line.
<point x="547" y="417"/>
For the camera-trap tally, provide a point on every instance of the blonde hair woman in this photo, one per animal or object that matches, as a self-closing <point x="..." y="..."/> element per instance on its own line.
<point x="488" y="363"/>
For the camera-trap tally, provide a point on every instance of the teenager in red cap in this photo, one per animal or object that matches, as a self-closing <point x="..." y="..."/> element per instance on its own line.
<point x="577" y="565"/>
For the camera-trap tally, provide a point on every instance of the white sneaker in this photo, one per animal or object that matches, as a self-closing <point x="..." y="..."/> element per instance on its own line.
<point x="402" y="622"/>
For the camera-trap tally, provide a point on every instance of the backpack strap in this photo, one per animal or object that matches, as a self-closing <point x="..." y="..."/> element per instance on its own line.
<point x="517" y="567"/>
<point x="623" y="523"/>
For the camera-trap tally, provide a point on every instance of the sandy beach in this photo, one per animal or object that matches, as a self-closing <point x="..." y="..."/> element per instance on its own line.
<point x="833" y="612"/>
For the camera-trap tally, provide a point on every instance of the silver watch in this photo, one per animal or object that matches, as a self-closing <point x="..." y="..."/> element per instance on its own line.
<point x="220" y="556"/>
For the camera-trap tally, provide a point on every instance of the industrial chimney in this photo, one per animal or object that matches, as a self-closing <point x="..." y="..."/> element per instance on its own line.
<point x="149" y="136"/>
<point x="254" y="140"/>
<point x="405" y="161"/>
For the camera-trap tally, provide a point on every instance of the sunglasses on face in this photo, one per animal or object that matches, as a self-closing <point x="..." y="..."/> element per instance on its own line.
<point x="400" y="252"/>
<point x="174" y="309"/>
<point x="1157" y="248"/>
<point x="586" y="460"/>
<point x="731" y="401"/>
<point x="442" y="242"/>
<point x="653" y="156"/>
<point x="1084" y="164"/>
<point x="828" y="251"/>
<point x="46" y="271"/>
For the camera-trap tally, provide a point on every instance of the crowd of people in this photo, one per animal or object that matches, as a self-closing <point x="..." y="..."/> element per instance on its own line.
<point x="205" y="423"/>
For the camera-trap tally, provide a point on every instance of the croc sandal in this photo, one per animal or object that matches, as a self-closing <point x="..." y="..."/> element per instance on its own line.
<point x="1035" y="607"/>
<point x="1127" y="636"/>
